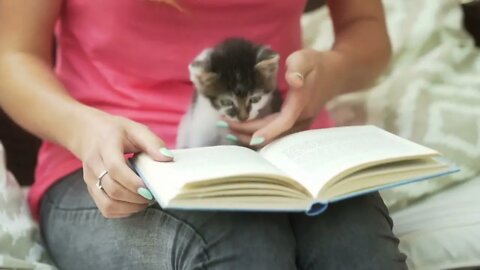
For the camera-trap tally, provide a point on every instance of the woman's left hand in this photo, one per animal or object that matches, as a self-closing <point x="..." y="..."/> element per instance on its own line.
<point x="303" y="102"/>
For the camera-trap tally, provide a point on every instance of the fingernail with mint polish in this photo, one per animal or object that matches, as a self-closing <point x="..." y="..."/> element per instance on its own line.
<point x="222" y="124"/>
<point x="166" y="152"/>
<point x="145" y="193"/>
<point x="257" y="140"/>
<point x="231" y="138"/>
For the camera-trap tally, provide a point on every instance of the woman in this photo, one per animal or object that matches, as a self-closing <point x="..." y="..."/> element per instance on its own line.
<point x="120" y="85"/>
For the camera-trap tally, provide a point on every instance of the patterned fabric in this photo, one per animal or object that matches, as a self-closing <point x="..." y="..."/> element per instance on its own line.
<point x="430" y="94"/>
<point x="19" y="244"/>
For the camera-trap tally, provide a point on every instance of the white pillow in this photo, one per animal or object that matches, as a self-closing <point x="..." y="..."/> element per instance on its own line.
<point x="19" y="236"/>
<point x="442" y="231"/>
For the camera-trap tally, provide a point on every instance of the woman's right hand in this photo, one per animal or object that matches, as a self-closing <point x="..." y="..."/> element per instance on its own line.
<point x="101" y="146"/>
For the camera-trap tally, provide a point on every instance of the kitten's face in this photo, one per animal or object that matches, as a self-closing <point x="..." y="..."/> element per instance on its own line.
<point x="241" y="108"/>
<point x="237" y="77"/>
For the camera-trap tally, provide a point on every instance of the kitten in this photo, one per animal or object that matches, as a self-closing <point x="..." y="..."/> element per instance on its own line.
<point x="236" y="79"/>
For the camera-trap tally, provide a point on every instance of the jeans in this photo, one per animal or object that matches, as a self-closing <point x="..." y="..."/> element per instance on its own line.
<point x="353" y="234"/>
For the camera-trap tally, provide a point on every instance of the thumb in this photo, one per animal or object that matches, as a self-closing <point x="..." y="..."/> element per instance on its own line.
<point x="299" y="65"/>
<point x="146" y="141"/>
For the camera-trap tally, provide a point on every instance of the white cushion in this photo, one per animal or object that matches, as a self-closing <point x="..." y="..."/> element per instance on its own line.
<point x="442" y="231"/>
<point x="20" y="247"/>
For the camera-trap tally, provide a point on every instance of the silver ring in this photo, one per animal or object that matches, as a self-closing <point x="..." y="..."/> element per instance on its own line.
<point x="99" y="181"/>
<point x="299" y="75"/>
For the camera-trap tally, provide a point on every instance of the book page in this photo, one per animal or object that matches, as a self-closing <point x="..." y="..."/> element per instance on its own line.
<point x="316" y="156"/>
<point x="166" y="179"/>
<point x="392" y="174"/>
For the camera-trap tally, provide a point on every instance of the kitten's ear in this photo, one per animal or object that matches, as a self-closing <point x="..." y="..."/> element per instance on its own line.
<point x="200" y="77"/>
<point x="267" y="62"/>
<point x="199" y="74"/>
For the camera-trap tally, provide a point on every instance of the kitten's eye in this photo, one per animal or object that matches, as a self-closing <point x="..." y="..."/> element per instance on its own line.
<point x="226" y="102"/>
<point x="255" y="99"/>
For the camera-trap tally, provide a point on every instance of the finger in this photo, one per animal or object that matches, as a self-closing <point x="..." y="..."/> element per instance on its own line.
<point x="239" y="138"/>
<point x="146" y="141"/>
<point x="118" y="192"/>
<point x="111" y="208"/>
<point x="299" y="66"/>
<point x="91" y="165"/>
<point x="291" y="110"/>
<point x="251" y="126"/>
<point x="112" y="188"/>
<point x="115" y="163"/>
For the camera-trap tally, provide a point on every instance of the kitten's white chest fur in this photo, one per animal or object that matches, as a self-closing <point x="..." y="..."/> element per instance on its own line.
<point x="199" y="126"/>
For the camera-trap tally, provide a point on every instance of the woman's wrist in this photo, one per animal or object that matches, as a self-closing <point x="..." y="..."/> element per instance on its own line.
<point x="82" y="121"/>
<point x="345" y="71"/>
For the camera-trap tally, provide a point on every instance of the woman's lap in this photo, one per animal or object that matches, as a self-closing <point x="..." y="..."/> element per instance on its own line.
<point x="350" y="235"/>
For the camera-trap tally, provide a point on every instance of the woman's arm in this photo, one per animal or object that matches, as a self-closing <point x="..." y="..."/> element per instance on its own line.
<point x="362" y="48"/>
<point x="29" y="92"/>
<point x="360" y="53"/>
<point x="35" y="99"/>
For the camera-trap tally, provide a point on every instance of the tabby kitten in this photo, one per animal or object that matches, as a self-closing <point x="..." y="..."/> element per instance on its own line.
<point x="236" y="79"/>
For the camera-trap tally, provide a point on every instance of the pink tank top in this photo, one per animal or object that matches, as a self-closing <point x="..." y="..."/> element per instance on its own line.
<point x="130" y="58"/>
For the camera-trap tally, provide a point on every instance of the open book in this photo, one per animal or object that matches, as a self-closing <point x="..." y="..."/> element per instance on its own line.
<point x="300" y="172"/>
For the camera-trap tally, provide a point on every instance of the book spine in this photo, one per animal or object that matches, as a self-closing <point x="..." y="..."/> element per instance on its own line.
<point x="316" y="208"/>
